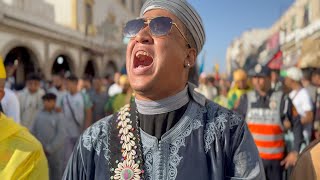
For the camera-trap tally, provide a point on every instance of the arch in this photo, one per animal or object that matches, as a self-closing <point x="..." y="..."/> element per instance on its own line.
<point x="62" y="64"/>
<point x="17" y="43"/>
<point x="67" y="56"/>
<point x="21" y="61"/>
<point x="111" y="68"/>
<point x="91" y="69"/>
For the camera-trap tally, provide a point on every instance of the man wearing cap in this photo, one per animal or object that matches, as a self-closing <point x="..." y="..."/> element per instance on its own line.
<point x="21" y="155"/>
<point x="265" y="111"/>
<point x="169" y="131"/>
<point x="300" y="99"/>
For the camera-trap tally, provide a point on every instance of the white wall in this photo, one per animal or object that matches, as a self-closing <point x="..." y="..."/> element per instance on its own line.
<point x="62" y="11"/>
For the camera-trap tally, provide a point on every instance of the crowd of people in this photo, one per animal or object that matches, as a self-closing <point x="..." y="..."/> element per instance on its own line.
<point x="152" y="123"/>
<point x="56" y="112"/>
<point x="301" y="86"/>
<point x="281" y="107"/>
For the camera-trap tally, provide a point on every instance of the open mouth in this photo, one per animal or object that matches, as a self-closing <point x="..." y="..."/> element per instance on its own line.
<point x="142" y="59"/>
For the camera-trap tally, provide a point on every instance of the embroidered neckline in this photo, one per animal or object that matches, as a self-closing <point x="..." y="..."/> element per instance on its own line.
<point x="128" y="168"/>
<point x="166" y="105"/>
<point x="176" y="139"/>
<point x="177" y="129"/>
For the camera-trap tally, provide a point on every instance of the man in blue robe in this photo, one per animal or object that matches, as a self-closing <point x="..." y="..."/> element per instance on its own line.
<point x="169" y="131"/>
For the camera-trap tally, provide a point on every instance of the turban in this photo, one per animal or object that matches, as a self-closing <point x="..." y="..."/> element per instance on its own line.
<point x="185" y="13"/>
<point x="3" y="74"/>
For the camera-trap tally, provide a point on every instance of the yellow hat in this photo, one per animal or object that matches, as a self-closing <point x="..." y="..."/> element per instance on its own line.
<point x="123" y="80"/>
<point x="239" y="75"/>
<point x="3" y="74"/>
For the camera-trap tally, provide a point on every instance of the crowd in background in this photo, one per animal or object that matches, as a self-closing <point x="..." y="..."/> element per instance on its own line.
<point x="299" y="100"/>
<point x="57" y="111"/>
<point x="228" y="91"/>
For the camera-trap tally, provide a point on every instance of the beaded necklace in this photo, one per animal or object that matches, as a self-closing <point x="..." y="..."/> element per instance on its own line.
<point x="129" y="165"/>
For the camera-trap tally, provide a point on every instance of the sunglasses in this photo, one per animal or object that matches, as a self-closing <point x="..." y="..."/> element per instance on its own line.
<point x="159" y="26"/>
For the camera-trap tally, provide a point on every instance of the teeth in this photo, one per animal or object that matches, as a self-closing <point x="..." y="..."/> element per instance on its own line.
<point x="140" y="53"/>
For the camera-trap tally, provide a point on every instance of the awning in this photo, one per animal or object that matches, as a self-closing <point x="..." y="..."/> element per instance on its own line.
<point x="291" y="59"/>
<point x="311" y="60"/>
<point x="310" y="55"/>
<point x="276" y="61"/>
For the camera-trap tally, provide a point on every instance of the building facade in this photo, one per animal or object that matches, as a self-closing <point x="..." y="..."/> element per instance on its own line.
<point x="294" y="39"/>
<point x="299" y="25"/>
<point x="243" y="47"/>
<point x="71" y="36"/>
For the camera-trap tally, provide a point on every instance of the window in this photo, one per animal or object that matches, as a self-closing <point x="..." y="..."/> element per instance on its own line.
<point x="309" y="12"/>
<point x="287" y="27"/>
<point x="88" y="14"/>
<point x="284" y="28"/>
<point x="89" y="17"/>
<point x="133" y="6"/>
<point x="293" y="23"/>
<point x="141" y="4"/>
<point x="307" y="15"/>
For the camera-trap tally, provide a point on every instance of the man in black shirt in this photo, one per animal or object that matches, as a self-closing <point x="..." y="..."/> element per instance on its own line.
<point x="268" y="113"/>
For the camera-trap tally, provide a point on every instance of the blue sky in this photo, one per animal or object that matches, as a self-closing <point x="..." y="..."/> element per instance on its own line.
<point x="226" y="20"/>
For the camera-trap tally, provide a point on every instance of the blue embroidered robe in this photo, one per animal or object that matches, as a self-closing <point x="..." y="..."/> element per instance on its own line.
<point x="208" y="143"/>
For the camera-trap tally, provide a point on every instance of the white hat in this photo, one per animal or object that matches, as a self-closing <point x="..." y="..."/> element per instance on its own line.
<point x="293" y="73"/>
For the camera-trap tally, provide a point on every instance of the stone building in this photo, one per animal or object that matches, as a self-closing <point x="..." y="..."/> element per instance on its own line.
<point x="295" y="38"/>
<point x="299" y="25"/>
<point x="242" y="47"/>
<point x="72" y="36"/>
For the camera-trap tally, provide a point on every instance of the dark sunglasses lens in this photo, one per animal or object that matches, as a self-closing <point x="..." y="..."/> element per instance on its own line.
<point x="160" y="26"/>
<point x="133" y="27"/>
